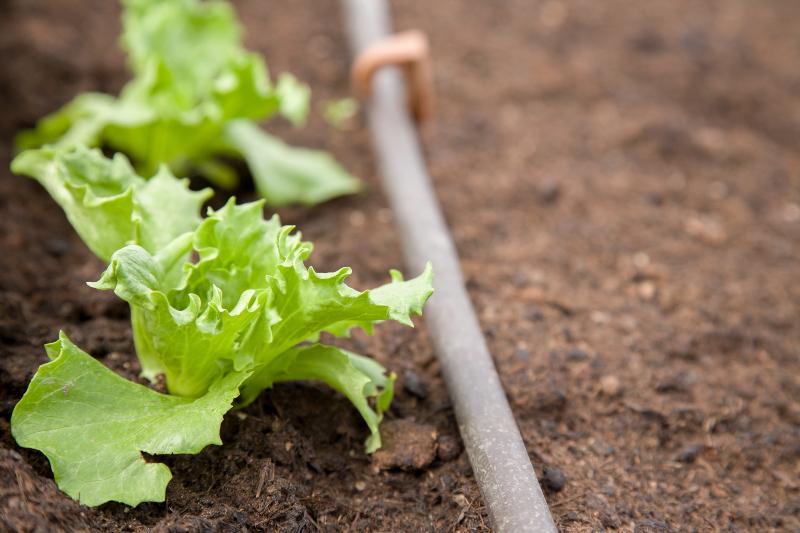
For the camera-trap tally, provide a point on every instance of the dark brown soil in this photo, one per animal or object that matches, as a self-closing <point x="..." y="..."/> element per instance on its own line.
<point x="623" y="183"/>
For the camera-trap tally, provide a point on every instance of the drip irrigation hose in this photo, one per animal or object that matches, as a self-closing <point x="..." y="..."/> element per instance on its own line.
<point x="492" y="440"/>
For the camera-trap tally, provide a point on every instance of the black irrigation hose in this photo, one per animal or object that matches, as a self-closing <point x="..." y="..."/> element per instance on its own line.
<point x="491" y="437"/>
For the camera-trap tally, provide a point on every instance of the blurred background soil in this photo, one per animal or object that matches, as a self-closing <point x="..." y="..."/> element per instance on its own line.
<point x="623" y="183"/>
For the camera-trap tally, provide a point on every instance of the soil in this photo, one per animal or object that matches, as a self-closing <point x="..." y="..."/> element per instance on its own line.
<point x="623" y="184"/>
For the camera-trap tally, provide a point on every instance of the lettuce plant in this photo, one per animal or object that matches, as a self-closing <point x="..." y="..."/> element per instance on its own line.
<point x="195" y="95"/>
<point x="223" y="308"/>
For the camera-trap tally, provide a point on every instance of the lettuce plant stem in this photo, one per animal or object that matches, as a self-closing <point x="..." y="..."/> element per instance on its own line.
<point x="491" y="437"/>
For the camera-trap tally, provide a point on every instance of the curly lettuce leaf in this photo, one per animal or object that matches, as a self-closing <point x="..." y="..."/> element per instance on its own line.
<point x="284" y="174"/>
<point x="306" y="303"/>
<point x="245" y="303"/>
<point x="108" y="204"/>
<point x="93" y="426"/>
<point x="237" y="249"/>
<point x="193" y="346"/>
<point x="403" y="299"/>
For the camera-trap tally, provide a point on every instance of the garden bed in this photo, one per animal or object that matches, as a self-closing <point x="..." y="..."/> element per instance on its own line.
<point x="622" y="184"/>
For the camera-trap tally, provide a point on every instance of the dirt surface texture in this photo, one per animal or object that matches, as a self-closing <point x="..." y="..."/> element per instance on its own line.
<point x="622" y="180"/>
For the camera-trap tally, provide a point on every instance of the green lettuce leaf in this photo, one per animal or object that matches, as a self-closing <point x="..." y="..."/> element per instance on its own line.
<point x="192" y="79"/>
<point x="93" y="426"/>
<point x="194" y="345"/>
<point x="108" y="204"/>
<point x="403" y="299"/>
<point x="283" y="174"/>
<point x="246" y="300"/>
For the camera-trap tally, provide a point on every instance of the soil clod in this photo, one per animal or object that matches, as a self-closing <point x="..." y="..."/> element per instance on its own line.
<point x="448" y="447"/>
<point x="407" y="445"/>
<point x="553" y="478"/>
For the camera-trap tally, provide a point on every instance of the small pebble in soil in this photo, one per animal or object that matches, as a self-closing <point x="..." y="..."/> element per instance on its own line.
<point x="534" y="313"/>
<point x="689" y="454"/>
<point x="414" y="384"/>
<point x="360" y="486"/>
<point x="553" y="478"/>
<point x="576" y="354"/>
<point x="522" y="354"/>
<point x="448" y="448"/>
<point x="651" y="526"/>
<point x="548" y="191"/>
<point x="646" y="290"/>
<point x="610" y="385"/>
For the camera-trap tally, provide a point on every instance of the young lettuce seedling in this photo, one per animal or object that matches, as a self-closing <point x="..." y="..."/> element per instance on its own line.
<point x="223" y="311"/>
<point x="195" y="95"/>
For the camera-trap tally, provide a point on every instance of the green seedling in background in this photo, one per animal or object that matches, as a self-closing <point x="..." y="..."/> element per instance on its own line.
<point x="338" y="113"/>
<point x="196" y="95"/>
